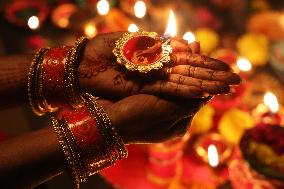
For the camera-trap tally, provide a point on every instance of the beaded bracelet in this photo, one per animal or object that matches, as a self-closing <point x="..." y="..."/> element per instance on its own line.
<point x="89" y="140"/>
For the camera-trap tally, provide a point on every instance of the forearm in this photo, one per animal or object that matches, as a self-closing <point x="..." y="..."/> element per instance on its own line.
<point x="31" y="159"/>
<point x="13" y="80"/>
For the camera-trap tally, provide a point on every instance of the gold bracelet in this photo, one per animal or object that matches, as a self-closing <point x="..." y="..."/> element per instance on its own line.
<point x="82" y="158"/>
<point x="71" y="69"/>
<point x="33" y="79"/>
<point x="69" y="146"/>
<point x="110" y="133"/>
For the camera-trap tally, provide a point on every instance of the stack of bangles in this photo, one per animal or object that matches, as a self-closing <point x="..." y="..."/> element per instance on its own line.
<point x="89" y="140"/>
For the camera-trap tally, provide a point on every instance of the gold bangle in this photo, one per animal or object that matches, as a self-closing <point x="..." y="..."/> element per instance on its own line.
<point x="110" y="133"/>
<point x="71" y="75"/>
<point x="70" y="148"/>
<point x="33" y="79"/>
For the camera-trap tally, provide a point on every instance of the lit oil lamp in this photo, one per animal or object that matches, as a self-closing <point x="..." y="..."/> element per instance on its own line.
<point x="145" y="51"/>
<point x="269" y="111"/>
<point x="213" y="157"/>
<point x="243" y="67"/>
<point x="213" y="149"/>
<point x="165" y="158"/>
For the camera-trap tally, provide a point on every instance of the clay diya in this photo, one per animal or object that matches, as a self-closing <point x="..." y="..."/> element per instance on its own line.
<point x="142" y="51"/>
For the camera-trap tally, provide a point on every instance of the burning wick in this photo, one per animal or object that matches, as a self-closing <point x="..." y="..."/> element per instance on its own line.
<point x="270" y="100"/>
<point x="33" y="22"/>
<point x="171" y="29"/>
<point x="244" y="64"/>
<point x="140" y="9"/>
<point x="213" y="158"/>
<point x="103" y="7"/>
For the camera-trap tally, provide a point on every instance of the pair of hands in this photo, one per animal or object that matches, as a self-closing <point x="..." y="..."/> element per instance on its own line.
<point x="139" y="106"/>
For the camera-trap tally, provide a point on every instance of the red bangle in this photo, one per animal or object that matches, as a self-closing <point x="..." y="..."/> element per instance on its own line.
<point x="53" y="77"/>
<point x="89" y="139"/>
<point x="92" y="146"/>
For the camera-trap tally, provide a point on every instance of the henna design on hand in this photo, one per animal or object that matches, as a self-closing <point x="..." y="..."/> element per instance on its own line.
<point x="91" y="67"/>
<point x="108" y="42"/>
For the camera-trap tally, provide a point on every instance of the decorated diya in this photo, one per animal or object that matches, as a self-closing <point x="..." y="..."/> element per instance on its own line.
<point x="263" y="148"/>
<point x="142" y="51"/>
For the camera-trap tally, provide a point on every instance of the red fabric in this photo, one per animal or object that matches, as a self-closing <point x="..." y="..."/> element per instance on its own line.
<point x="137" y="166"/>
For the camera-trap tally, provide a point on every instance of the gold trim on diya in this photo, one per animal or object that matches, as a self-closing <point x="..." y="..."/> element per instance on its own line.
<point x="142" y="51"/>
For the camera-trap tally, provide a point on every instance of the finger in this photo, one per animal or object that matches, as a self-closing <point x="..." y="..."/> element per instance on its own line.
<point x="212" y="87"/>
<point x="181" y="58"/>
<point x="227" y="77"/>
<point x="195" y="47"/>
<point x="179" y="45"/>
<point x="180" y="127"/>
<point x="171" y="89"/>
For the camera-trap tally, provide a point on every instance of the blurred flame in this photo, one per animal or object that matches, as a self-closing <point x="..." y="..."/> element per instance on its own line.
<point x="189" y="37"/>
<point x="244" y="64"/>
<point x="90" y="30"/>
<point x="133" y="28"/>
<point x="171" y="28"/>
<point x="140" y="9"/>
<point x="33" y="22"/>
<point x="270" y="100"/>
<point x="103" y="7"/>
<point x="213" y="157"/>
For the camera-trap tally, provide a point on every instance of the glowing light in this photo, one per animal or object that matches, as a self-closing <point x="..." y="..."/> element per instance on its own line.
<point x="63" y="22"/>
<point x="103" y="7"/>
<point x="244" y="64"/>
<point x="133" y="28"/>
<point x="213" y="157"/>
<point x="189" y="37"/>
<point x="270" y="100"/>
<point x="90" y="30"/>
<point x="171" y="28"/>
<point x="33" y="22"/>
<point x="140" y="9"/>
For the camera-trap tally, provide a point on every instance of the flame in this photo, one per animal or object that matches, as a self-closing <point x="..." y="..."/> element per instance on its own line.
<point x="244" y="64"/>
<point x="33" y="22"/>
<point x="90" y="30"/>
<point x="103" y="7"/>
<point x="171" y="28"/>
<point x="270" y="100"/>
<point x="189" y="37"/>
<point x="140" y="9"/>
<point x="133" y="28"/>
<point x="213" y="157"/>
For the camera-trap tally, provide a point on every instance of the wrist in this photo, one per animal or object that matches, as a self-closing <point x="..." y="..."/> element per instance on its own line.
<point x="89" y="140"/>
<point x="116" y="121"/>
<point x="53" y="78"/>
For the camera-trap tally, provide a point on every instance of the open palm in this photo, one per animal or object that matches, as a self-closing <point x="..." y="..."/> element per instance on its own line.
<point x="193" y="75"/>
